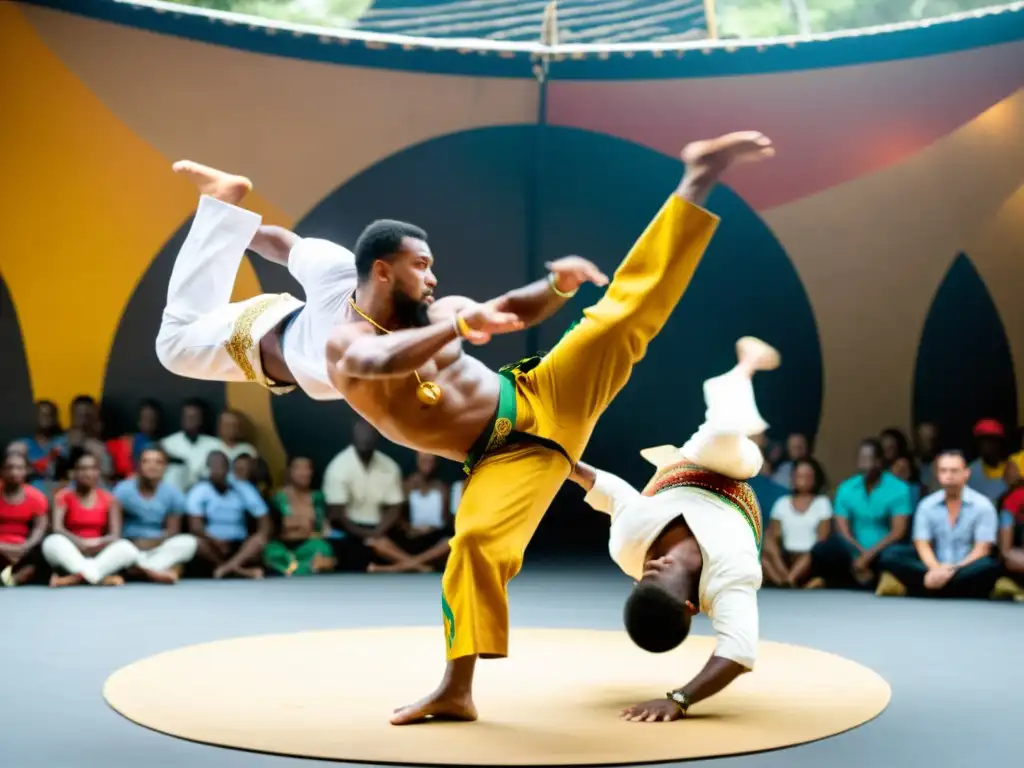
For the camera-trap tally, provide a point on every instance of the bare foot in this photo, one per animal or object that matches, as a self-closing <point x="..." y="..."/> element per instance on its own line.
<point x="715" y="155"/>
<point x="250" y="573"/>
<point x="159" y="577"/>
<point x="66" y="581"/>
<point x="440" y="705"/>
<point x="222" y="186"/>
<point x="112" y="581"/>
<point x="755" y="355"/>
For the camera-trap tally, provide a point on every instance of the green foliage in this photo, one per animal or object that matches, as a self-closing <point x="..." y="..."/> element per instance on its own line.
<point x="736" y="18"/>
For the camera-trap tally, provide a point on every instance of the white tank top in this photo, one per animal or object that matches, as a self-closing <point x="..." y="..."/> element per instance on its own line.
<point x="426" y="510"/>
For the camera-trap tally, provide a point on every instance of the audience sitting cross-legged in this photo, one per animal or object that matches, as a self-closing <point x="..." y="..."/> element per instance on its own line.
<point x="300" y="547"/>
<point x="872" y="512"/>
<point x="153" y="510"/>
<point x="1011" y="539"/>
<point x="419" y="542"/>
<point x="23" y="522"/>
<point x="86" y="543"/>
<point x="954" y="534"/>
<point x="218" y="508"/>
<point x="798" y="521"/>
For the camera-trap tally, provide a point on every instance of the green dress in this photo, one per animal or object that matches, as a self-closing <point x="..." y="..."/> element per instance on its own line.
<point x="296" y="558"/>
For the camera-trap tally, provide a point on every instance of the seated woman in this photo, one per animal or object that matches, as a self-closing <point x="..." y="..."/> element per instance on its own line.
<point x="86" y="543"/>
<point x="126" y="451"/>
<point x="799" y="520"/>
<point x="419" y="543"/>
<point x="300" y="548"/>
<point x="217" y="510"/>
<point x="23" y="521"/>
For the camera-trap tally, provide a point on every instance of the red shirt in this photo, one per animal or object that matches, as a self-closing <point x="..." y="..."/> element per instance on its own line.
<point x="1014" y="504"/>
<point x="80" y="520"/>
<point x="16" y="518"/>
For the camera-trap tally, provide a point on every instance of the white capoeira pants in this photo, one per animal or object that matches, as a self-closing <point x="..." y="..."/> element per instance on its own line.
<point x="722" y="443"/>
<point x="60" y="553"/>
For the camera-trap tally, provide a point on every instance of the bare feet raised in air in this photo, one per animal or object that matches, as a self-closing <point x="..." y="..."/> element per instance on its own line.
<point x="220" y="185"/>
<point x="441" y="705"/>
<point x="755" y="355"/>
<point x="707" y="160"/>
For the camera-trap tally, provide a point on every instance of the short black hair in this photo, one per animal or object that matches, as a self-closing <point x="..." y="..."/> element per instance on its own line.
<point x="154" y="448"/>
<point x="656" y="620"/>
<point x="218" y="454"/>
<point x="83" y="400"/>
<point x="902" y="443"/>
<point x="951" y="452"/>
<point x="874" y="444"/>
<point x="381" y="240"/>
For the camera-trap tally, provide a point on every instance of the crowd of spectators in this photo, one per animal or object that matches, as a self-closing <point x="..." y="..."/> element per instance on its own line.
<point x="916" y="518"/>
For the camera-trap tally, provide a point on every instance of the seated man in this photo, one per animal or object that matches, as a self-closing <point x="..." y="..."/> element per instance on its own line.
<point x="1011" y="544"/>
<point x="217" y="509"/>
<point x="692" y="538"/>
<point x="152" y="510"/>
<point x="954" y="532"/>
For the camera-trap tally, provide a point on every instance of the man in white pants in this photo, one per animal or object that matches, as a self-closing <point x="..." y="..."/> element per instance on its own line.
<point x="692" y="539"/>
<point x="274" y="340"/>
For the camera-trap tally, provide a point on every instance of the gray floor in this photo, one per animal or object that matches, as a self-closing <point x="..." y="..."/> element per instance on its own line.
<point x="956" y="668"/>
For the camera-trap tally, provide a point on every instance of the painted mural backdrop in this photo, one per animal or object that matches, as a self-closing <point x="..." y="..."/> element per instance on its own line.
<point x="881" y="251"/>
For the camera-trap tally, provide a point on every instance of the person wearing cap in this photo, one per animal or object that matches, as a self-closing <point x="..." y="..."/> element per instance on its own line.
<point x="692" y="539"/>
<point x="988" y="469"/>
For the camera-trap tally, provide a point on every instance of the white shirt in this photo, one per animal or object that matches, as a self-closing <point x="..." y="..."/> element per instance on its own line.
<point x="731" y="574"/>
<point x="327" y="274"/>
<point x="800" y="529"/>
<point x="363" y="489"/>
<point x="191" y="458"/>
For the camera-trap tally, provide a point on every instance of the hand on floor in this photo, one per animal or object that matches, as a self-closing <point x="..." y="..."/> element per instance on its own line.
<point x="653" y="711"/>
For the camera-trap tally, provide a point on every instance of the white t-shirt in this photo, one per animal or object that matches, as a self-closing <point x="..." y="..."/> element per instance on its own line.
<point x="731" y="574"/>
<point x="188" y="463"/>
<point x="327" y="274"/>
<point x="362" y="488"/>
<point x="800" y="529"/>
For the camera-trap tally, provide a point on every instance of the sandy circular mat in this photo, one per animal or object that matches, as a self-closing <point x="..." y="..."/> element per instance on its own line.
<point x="554" y="701"/>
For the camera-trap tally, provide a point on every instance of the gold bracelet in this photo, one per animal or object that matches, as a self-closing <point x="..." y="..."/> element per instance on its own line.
<point x="552" y="283"/>
<point x="462" y="328"/>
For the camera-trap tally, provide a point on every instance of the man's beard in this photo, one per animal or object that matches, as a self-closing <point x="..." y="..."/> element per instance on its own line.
<point x="410" y="312"/>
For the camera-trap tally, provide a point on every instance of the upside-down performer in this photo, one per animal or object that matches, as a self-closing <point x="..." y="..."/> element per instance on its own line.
<point x="692" y="538"/>
<point x="519" y="431"/>
<point x="274" y="340"/>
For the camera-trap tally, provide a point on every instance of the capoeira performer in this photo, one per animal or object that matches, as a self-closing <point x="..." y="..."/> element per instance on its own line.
<point x="519" y="431"/>
<point x="274" y="340"/>
<point x="692" y="538"/>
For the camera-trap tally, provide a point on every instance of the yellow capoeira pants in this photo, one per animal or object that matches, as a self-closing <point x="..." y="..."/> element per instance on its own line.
<point x="561" y="399"/>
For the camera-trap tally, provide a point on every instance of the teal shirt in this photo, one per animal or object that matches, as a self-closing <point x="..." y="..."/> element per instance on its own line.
<point x="871" y="514"/>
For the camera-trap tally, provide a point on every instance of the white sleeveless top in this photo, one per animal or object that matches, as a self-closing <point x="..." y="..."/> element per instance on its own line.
<point x="426" y="509"/>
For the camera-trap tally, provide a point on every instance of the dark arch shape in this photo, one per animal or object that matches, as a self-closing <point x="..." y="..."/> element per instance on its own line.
<point x="17" y="417"/>
<point x="964" y="368"/>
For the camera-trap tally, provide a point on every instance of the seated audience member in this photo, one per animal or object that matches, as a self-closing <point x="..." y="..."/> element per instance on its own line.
<point x="86" y="433"/>
<point x="796" y="448"/>
<point x="954" y="533"/>
<point x="906" y="469"/>
<point x="125" y="451"/>
<point x="363" y="491"/>
<point x="188" y="449"/>
<point x="418" y="543"/>
<point x="152" y="510"/>
<point x="46" y="446"/>
<point x="1011" y="542"/>
<point x="253" y="470"/>
<point x="300" y="547"/>
<point x="798" y="521"/>
<point x="872" y="511"/>
<point x="986" y="472"/>
<point x="217" y="509"/>
<point x="926" y="448"/>
<point x="23" y="521"/>
<point x="86" y="543"/>
<point x="230" y="433"/>
<point x="894" y="446"/>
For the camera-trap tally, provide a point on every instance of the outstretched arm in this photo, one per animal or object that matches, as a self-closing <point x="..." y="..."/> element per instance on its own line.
<point x="539" y="300"/>
<point x="605" y="492"/>
<point x="274" y="243"/>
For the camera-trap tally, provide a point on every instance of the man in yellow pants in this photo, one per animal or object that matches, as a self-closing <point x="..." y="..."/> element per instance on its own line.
<point x="397" y="358"/>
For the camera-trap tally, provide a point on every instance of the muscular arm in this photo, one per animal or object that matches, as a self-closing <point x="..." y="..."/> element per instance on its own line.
<point x="715" y="675"/>
<point x="274" y="243"/>
<point x="356" y="351"/>
<point x="533" y="303"/>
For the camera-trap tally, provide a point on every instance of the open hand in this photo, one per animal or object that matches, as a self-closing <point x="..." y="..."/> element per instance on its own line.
<point x="573" y="271"/>
<point x="653" y="711"/>
<point x="485" y="320"/>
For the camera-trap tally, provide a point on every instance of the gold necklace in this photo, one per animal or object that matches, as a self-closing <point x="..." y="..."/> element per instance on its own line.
<point x="428" y="392"/>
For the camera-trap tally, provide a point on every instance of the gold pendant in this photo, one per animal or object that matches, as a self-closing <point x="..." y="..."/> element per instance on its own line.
<point x="428" y="393"/>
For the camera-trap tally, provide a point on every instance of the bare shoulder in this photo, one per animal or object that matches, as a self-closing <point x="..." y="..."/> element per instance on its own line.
<point x="447" y="306"/>
<point x="343" y="334"/>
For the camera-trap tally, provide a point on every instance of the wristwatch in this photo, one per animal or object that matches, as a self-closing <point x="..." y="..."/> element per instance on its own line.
<point x="681" y="700"/>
